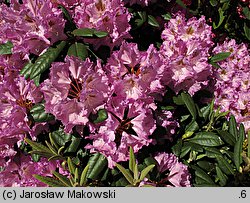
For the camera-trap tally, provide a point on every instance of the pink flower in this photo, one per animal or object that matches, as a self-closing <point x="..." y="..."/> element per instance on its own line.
<point x="233" y="81"/>
<point x="177" y="173"/>
<point x="103" y="15"/>
<point x="185" y="54"/>
<point x="75" y="89"/>
<point x="129" y="124"/>
<point x="32" y="26"/>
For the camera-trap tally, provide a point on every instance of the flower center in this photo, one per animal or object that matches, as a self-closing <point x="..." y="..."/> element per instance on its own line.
<point x="75" y="89"/>
<point x="24" y="103"/>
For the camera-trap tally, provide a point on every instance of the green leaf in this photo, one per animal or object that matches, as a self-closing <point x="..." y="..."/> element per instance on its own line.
<point x="83" y="179"/>
<point x="220" y="57"/>
<point x="232" y="127"/>
<point x="222" y="177"/>
<point x="246" y="12"/>
<point x="247" y="31"/>
<point x="37" y="80"/>
<point x="79" y="50"/>
<point x="205" y="165"/>
<point x="207" y="139"/>
<point x="39" y="115"/>
<point x="191" y="128"/>
<point x="227" y="137"/>
<point x="41" y="153"/>
<point x="189" y="102"/>
<point x="71" y="166"/>
<point x="75" y="142"/>
<point x="201" y="177"/>
<point x="149" y="160"/>
<point x="102" y="115"/>
<point x="49" y="181"/>
<point x="44" y="61"/>
<point x="212" y="152"/>
<point x="224" y="165"/>
<point x="83" y="32"/>
<point x="132" y="160"/>
<point x="26" y="71"/>
<point x="178" y="100"/>
<point x="152" y="21"/>
<point x="76" y="175"/>
<point x="213" y="3"/>
<point x="135" y="171"/>
<point x="72" y="25"/>
<point x="6" y="48"/>
<point x="221" y="19"/>
<point x="145" y="171"/>
<point x="52" y="149"/>
<point x="97" y="163"/>
<point x="126" y="174"/>
<point x="37" y="146"/>
<point x="100" y="34"/>
<point x="238" y="147"/>
<point x="215" y="65"/>
<point x="184" y="150"/>
<point x="60" y="137"/>
<point x="205" y="111"/>
<point x="62" y="178"/>
<point x="167" y="16"/>
<point x="176" y="149"/>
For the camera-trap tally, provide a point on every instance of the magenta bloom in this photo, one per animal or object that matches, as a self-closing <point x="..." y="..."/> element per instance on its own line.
<point x="233" y="81"/>
<point x="32" y="26"/>
<point x="75" y="89"/>
<point x="129" y="124"/>
<point x="18" y="172"/>
<point x="176" y="172"/>
<point x="104" y="15"/>
<point x="185" y="54"/>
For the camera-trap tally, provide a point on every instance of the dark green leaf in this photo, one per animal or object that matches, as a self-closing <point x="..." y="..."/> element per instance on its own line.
<point x="222" y="177"/>
<point x="201" y="177"/>
<point x="238" y="147"/>
<point x="191" y="128"/>
<point x="247" y="31"/>
<point x="126" y="173"/>
<point x="71" y="166"/>
<point x="220" y="57"/>
<point x="205" y="165"/>
<point x="49" y="181"/>
<point x="246" y="12"/>
<point x="233" y="127"/>
<point x="205" y="111"/>
<point x="227" y="137"/>
<point x="62" y="178"/>
<point x="72" y="25"/>
<point x="149" y="161"/>
<point x="6" y="48"/>
<point x="76" y="175"/>
<point x="176" y="149"/>
<point x="224" y="165"/>
<point x="37" y="80"/>
<point x="79" y="50"/>
<point x="184" y="150"/>
<point x="207" y="139"/>
<point x="39" y="115"/>
<point x="75" y="142"/>
<point x="216" y="65"/>
<point x="26" y="71"/>
<point x="189" y="102"/>
<point x="101" y="116"/>
<point x="38" y="147"/>
<point x="60" y="137"/>
<point x="44" y="61"/>
<point x="42" y="153"/>
<point x="96" y="163"/>
<point x="35" y="157"/>
<point x="212" y="152"/>
<point x="178" y="100"/>
<point x="152" y="21"/>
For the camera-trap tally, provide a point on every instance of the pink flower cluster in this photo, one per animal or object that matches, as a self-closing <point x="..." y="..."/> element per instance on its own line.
<point x="185" y="54"/>
<point x="233" y="81"/>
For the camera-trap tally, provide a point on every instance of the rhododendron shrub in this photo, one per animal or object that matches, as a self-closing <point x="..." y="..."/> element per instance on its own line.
<point x="82" y="96"/>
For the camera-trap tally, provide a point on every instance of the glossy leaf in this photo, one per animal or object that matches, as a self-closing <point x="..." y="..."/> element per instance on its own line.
<point x="220" y="57"/>
<point x="39" y="115"/>
<point x="222" y="177"/>
<point x="238" y="147"/>
<point x="96" y="165"/>
<point x="60" y="137"/>
<point x="79" y="50"/>
<point x="212" y="152"/>
<point x="71" y="166"/>
<point x="201" y="176"/>
<point x="6" y="48"/>
<point x="152" y="21"/>
<point x="26" y="71"/>
<point x="102" y="115"/>
<point x="227" y="137"/>
<point x="75" y="142"/>
<point x="44" y="61"/>
<point x="224" y="165"/>
<point x="207" y="139"/>
<point x="37" y="146"/>
<point x="232" y="127"/>
<point x="187" y="99"/>
<point x="221" y="19"/>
